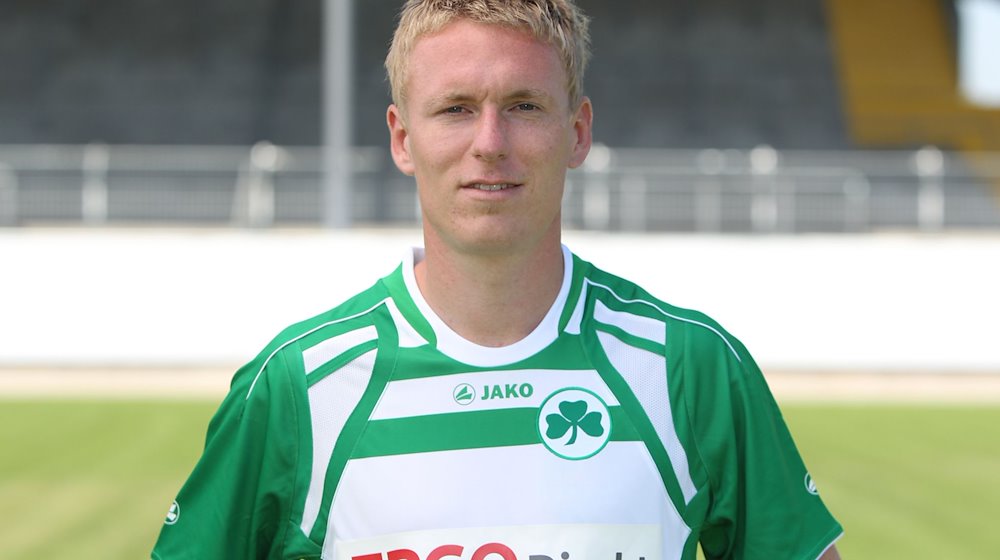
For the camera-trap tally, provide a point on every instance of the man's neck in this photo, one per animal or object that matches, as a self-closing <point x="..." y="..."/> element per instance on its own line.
<point x="491" y="300"/>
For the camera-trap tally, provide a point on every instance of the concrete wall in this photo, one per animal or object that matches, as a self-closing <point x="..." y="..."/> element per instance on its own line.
<point x="215" y="297"/>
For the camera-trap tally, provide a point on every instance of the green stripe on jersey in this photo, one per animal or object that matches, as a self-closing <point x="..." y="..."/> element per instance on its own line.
<point x="466" y="430"/>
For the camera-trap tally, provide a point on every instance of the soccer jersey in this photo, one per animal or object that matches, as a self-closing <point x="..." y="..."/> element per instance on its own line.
<point x="621" y="428"/>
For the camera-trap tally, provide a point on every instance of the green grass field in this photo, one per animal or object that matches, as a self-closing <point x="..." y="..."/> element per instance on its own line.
<point x="93" y="479"/>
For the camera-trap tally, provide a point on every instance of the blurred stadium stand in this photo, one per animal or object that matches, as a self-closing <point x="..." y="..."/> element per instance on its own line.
<point x="899" y="76"/>
<point x="676" y="74"/>
<point x="721" y="115"/>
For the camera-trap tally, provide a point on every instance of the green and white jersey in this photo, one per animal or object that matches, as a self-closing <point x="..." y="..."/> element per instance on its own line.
<point x="622" y="428"/>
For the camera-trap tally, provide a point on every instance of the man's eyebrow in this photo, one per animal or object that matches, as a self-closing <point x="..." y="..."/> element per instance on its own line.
<point x="448" y="99"/>
<point x="530" y="93"/>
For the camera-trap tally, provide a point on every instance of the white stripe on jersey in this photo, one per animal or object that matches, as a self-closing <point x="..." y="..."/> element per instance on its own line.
<point x="331" y="401"/>
<point x="646" y="374"/>
<point x="521" y="485"/>
<point x="574" y="325"/>
<point x="435" y="395"/>
<point x="328" y="349"/>
<point x="405" y="330"/>
<point x="267" y="360"/>
<point x="636" y="325"/>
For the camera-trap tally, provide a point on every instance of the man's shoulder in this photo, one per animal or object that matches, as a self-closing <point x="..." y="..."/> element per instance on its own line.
<point x="312" y="342"/>
<point x="614" y="295"/>
<point x="354" y="312"/>
<point x="625" y="293"/>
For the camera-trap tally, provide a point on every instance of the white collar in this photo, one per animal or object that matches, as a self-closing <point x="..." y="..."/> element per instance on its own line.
<point x="458" y="348"/>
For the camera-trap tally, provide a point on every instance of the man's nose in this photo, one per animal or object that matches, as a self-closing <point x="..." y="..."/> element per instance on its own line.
<point x="490" y="141"/>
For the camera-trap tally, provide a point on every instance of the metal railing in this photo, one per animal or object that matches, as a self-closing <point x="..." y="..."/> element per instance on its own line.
<point x="759" y="190"/>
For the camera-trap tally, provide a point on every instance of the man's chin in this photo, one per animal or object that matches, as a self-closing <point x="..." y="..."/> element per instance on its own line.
<point x="500" y="242"/>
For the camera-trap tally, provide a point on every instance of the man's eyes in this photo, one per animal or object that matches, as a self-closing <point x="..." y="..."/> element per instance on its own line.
<point x="461" y="109"/>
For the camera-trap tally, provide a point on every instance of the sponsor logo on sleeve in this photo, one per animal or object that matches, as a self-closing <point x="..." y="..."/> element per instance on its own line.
<point x="173" y="514"/>
<point x="811" y="485"/>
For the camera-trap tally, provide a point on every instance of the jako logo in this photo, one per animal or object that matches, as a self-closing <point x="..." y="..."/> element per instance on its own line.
<point x="507" y="391"/>
<point x="173" y="514"/>
<point x="464" y="394"/>
<point x="574" y="423"/>
<point x="811" y="485"/>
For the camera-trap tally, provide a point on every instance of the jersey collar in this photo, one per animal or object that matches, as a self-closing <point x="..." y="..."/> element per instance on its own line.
<point x="458" y="348"/>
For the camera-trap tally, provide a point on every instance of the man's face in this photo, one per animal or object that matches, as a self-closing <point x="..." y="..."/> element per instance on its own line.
<point x="488" y="133"/>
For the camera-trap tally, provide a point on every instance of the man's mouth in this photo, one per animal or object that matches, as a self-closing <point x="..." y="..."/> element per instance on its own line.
<point x="491" y="186"/>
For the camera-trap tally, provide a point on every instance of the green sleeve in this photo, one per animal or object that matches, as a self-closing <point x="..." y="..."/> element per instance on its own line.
<point x="237" y="501"/>
<point x="762" y="505"/>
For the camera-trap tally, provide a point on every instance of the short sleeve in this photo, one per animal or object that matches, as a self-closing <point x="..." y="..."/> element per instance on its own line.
<point x="763" y="502"/>
<point x="236" y="502"/>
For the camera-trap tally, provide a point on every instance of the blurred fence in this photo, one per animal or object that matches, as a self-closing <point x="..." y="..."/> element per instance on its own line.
<point x="758" y="190"/>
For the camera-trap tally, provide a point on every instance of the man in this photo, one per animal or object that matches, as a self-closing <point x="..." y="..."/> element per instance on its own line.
<point x="496" y="397"/>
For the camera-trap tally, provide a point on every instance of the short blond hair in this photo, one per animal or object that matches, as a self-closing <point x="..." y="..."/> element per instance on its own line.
<point x="559" y="23"/>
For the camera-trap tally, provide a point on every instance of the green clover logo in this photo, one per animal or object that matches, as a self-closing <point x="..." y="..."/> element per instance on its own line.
<point x="581" y="414"/>
<point x="573" y="415"/>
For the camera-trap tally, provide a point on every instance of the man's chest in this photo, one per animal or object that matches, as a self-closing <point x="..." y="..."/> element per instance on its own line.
<point x="543" y="462"/>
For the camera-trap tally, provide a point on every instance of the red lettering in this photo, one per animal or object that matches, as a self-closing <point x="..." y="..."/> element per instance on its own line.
<point x="493" y="548"/>
<point x="445" y="550"/>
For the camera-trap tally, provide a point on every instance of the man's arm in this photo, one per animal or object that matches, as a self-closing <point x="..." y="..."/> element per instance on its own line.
<point x="764" y="504"/>
<point x="236" y="502"/>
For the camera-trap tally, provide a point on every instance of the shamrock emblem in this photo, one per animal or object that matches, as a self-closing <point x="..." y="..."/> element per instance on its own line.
<point x="572" y="416"/>
<point x="568" y="411"/>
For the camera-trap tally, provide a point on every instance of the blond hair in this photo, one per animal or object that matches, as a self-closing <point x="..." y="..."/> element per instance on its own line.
<point x="557" y="22"/>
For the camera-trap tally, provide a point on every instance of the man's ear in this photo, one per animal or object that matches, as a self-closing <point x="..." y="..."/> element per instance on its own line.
<point x="399" y="140"/>
<point x="583" y="122"/>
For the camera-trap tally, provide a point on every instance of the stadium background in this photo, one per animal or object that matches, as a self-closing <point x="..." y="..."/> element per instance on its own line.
<point x="812" y="168"/>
